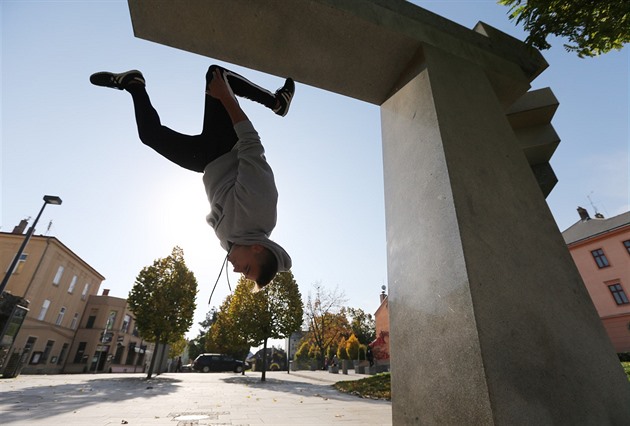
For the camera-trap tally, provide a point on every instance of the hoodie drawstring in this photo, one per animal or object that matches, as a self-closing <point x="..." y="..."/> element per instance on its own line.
<point x="227" y="276"/>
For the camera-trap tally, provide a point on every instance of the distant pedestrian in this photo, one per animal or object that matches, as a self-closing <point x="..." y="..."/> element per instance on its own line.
<point x="370" y="356"/>
<point x="178" y="368"/>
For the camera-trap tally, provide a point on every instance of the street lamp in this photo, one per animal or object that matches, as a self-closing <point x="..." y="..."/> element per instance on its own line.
<point x="48" y="199"/>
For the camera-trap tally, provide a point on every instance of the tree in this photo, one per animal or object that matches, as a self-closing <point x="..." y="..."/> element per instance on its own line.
<point x="326" y="319"/>
<point x="273" y="313"/>
<point x="225" y="335"/>
<point x="163" y="300"/>
<point x="198" y="345"/>
<point x="352" y="347"/>
<point x="341" y="349"/>
<point x="362" y="324"/>
<point x="594" y="27"/>
<point x="178" y="347"/>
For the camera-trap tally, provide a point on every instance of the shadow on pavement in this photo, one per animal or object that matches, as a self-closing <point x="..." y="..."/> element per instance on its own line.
<point x="296" y="387"/>
<point x="39" y="402"/>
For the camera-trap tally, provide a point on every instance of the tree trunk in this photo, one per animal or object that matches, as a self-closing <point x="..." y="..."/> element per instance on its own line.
<point x="161" y="363"/>
<point x="157" y="345"/>
<point x="264" y="361"/>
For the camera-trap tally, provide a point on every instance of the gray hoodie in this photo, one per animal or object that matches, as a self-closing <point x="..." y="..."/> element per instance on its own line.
<point x="243" y="196"/>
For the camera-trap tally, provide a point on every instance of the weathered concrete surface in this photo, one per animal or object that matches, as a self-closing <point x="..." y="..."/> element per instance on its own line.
<point x="490" y="321"/>
<point x="358" y="48"/>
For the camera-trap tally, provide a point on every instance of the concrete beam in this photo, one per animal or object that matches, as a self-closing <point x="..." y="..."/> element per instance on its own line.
<point x="358" y="48"/>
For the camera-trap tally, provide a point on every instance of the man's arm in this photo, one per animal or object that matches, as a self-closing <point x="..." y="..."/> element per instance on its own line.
<point x="220" y="90"/>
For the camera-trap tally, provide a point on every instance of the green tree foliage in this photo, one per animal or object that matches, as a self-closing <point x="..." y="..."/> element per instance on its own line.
<point x="198" y="345"/>
<point x="362" y="324"/>
<point x="326" y="319"/>
<point x="592" y="27"/>
<point x="163" y="300"/>
<point x="254" y="318"/>
<point x="362" y="352"/>
<point x="224" y="335"/>
<point x="177" y="348"/>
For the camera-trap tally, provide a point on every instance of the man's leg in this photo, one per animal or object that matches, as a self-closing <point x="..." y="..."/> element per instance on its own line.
<point x="278" y="102"/>
<point x="217" y="124"/>
<point x="190" y="152"/>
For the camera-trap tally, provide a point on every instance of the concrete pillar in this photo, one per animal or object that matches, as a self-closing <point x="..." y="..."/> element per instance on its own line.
<point x="490" y="321"/>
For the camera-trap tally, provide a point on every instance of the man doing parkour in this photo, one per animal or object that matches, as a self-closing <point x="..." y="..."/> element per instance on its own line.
<point x="239" y="182"/>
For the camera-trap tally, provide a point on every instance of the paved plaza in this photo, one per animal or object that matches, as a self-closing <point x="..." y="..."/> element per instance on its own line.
<point x="299" y="398"/>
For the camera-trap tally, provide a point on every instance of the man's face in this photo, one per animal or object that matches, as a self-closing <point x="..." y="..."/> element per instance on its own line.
<point x="244" y="260"/>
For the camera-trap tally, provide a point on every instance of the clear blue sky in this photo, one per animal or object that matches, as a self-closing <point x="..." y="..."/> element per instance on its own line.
<point x="124" y="206"/>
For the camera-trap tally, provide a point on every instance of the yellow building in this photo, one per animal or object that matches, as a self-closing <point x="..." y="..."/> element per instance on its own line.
<point x="107" y="339"/>
<point x="57" y="285"/>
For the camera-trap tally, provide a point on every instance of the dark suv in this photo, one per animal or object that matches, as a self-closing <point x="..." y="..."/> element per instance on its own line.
<point x="219" y="362"/>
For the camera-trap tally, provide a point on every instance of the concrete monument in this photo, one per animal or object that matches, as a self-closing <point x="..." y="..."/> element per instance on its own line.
<point x="490" y="321"/>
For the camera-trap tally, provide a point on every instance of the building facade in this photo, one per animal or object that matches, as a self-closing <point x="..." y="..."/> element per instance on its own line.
<point x="600" y="248"/>
<point x="380" y="346"/>
<point x="56" y="284"/>
<point x="68" y="327"/>
<point x="107" y="339"/>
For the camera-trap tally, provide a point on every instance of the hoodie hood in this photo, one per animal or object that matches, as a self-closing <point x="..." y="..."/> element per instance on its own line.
<point x="283" y="258"/>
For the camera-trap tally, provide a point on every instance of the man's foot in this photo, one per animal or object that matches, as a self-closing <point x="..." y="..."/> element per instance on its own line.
<point x="116" y="81"/>
<point x="284" y="95"/>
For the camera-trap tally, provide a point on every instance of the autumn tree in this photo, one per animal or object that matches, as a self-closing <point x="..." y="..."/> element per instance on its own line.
<point x="325" y="318"/>
<point x="362" y="324"/>
<point x="163" y="300"/>
<point x="592" y="27"/>
<point x="352" y="347"/>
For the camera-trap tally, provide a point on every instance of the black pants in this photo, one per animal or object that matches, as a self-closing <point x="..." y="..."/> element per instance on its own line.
<point x="217" y="136"/>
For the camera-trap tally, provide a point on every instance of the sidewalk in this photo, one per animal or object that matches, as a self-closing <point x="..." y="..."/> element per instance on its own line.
<point x="183" y="399"/>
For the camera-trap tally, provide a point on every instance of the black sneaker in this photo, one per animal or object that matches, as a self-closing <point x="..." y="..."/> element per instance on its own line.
<point x="116" y="81"/>
<point x="284" y="95"/>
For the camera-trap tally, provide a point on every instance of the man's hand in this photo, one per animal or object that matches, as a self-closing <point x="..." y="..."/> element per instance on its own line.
<point x="222" y="91"/>
<point x="219" y="88"/>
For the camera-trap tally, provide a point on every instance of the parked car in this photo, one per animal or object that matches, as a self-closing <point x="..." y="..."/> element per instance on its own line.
<point x="219" y="362"/>
<point x="187" y="368"/>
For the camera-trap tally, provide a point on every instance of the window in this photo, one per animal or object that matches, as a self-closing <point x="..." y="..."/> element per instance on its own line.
<point x="119" y="354"/>
<point x="62" y="354"/>
<point x="600" y="258"/>
<point x="131" y="353"/>
<point x="47" y="351"/>
<point x="72" y="284"/>
<point x="111" y="320"/>
<point x="29" y="344"/>
<point x="90" y="321"/>
<point x="618" y="294"/>
<point x="78" y="358"/>
<point x="58" y="276"/>
<point x="626" y="244"/>
<point x="59" y="319"/>
<point x="75" y="320"/>
<point x="85" y="291"/>
<point x="19" y="265"/>
<point x="42" y="313"/>
<point x="125" y="324"/>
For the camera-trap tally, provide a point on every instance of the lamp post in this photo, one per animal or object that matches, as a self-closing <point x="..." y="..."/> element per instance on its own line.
<point x="48" y="199"/>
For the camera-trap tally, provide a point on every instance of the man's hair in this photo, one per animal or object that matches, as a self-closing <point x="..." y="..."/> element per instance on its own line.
<point x="268" y="267"/>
